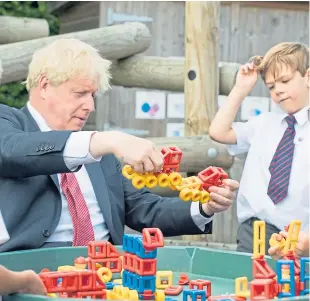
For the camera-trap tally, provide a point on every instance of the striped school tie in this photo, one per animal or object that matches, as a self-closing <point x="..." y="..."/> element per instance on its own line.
<point x="280" y="166"/>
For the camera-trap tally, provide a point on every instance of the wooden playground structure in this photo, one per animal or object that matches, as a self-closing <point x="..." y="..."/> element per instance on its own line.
<point x="199" y="74"/>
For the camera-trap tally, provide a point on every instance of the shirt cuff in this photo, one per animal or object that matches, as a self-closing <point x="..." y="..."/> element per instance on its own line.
<point x="198" y="218"/>
<point x="76" y="152"/>
<point x="4" y="235"/>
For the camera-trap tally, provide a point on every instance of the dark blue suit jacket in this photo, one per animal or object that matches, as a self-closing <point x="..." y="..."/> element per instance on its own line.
<point x="29" y="191"/>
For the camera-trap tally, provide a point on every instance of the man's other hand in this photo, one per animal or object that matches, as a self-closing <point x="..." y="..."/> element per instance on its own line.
<point x="221" y="197"/>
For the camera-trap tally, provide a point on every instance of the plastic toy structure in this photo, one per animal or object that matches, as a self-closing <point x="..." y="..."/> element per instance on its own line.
<point x="290" y="278"/>
<point x="94" y="277"/>
<point x="193" y="188"/>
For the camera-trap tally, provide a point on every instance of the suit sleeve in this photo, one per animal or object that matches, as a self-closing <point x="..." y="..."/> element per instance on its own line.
<point x="147" y="210"/>
<point x="28" y="154"/>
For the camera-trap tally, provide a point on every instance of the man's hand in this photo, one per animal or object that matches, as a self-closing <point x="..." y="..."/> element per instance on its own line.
<point x="139" y="153"/>
<point x="30" y="283"/>
<point x="301" y="250"/>
<point x="221" y="197"/>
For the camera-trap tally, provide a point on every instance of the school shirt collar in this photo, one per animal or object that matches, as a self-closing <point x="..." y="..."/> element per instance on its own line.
<point x="38" y="118"/>
<point x="301" y="116"/>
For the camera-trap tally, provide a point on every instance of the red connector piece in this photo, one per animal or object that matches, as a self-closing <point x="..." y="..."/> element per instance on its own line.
<point x="152" y="238"/>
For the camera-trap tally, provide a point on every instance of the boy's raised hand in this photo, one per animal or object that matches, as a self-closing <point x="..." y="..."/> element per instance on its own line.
<point x="247" y="77"/>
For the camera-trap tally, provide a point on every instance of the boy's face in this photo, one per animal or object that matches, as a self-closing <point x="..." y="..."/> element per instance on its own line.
<point x="290" y="90"/>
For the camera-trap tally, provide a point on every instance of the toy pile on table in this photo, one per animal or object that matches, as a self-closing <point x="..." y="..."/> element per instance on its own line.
<point x="91" y="277"/>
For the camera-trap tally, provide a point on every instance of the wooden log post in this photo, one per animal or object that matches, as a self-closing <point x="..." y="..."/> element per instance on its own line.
<point x="113" y="43"/>
<point x="17" y="29"/>
<point x="199" y="152"/>
<point x="165" y="73"/>
<point x="201" y="65"/>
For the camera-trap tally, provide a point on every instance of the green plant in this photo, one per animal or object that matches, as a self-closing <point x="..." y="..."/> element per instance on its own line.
<point x="15" y="94"/>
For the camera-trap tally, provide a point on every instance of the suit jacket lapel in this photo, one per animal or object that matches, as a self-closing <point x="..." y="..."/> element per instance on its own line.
<point x="97" y="178"/>
<point x="33" y="127"/>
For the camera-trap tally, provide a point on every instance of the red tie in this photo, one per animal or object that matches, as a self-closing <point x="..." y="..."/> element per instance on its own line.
<point x="82" y="226"/>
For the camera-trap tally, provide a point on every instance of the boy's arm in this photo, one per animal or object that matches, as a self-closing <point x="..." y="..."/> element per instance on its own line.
<point x="20" y="282"/>
<point x="221" y="127"/>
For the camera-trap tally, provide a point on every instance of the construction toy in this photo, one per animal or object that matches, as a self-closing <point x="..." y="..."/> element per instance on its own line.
<point x="194" y="295"/>
<point x="287" y="281"/>
<point x="161" y="282"/>
<point x="96" y="276"/>
<point x="173" y="290"/>
<point x="184" y="279"/>
<point x="195" y="188"/>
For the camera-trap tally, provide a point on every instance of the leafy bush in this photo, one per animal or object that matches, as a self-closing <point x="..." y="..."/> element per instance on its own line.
<point x="15" y="94"/>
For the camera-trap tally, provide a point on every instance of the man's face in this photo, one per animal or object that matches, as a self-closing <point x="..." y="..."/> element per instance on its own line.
<point x="68" y="104"/>
<point x="290" y="90"/>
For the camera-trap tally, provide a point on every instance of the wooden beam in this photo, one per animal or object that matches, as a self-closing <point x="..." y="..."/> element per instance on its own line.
<point x="57" y="7"/>
<point x="113" y="42"/>
<point x="199" y="152"/>
<point x="201" y="52"/>
<point x="17" y="29"/>
<point x="202" y="23"/>
<point x="165" y="73"/>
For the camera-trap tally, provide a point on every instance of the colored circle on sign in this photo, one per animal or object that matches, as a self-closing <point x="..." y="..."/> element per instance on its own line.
<point x="145" y="107"/>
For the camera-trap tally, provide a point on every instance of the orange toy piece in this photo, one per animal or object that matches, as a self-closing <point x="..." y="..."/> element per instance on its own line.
<point x="200" y="284"/>
<point x="173" y="290"/>
<point x="184" y="279"/>
<point x="75" y="281"/>
<point x="80" y="263"/>
<point x="212" y="176"/>
<point x="152" y="238"/>
<point x="106" y="254"/>
<point x="263" y="289"/>
<point x="261" y="269"/>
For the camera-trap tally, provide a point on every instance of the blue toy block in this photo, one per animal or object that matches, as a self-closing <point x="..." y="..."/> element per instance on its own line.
<point x="141" y="252"/>
<point x="290" y="281"/>
<point x="110" y="285"/>
<point x="129" y="242"/>
<point x="170" y="299"/>
<point x="143" y="283"/>
<point x="304" y="278"/>
<point x="193" y="294"/>
<point x="129" y="279"/>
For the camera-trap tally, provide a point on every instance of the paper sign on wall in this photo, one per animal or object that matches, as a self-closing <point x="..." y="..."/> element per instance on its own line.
<point x="253" y="106"/>
<point x="150" y="105"/>
<point x="175" y="130"/>
<point x="175" y="106"/>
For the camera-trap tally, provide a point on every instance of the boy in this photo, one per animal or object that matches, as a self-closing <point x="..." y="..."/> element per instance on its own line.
<point x="275" y="183"/>
<point x="17" y="282"/>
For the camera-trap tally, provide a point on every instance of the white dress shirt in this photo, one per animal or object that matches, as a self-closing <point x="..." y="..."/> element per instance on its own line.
<point x="76" y="153"/>
<point x="260" y="137"/>
<point x="4" y="235"/>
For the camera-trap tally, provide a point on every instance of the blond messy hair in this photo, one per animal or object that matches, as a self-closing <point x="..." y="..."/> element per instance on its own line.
<point x="68" y="59"/>
<point x="293" y="55"/>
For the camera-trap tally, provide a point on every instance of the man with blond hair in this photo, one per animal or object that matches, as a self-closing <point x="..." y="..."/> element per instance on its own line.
<point x="61" y="186"/>
<point x="275" y="182"/>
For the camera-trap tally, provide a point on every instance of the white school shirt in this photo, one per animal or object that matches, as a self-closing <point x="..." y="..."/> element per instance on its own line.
<point x="4" y="235"/>
<point x="260" y="137"/>
<point x="76" y="153"/>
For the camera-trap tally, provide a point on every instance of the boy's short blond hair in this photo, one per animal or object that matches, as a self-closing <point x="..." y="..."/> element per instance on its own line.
<point x="294" y="55"/>
<point x="67" y="59"/>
